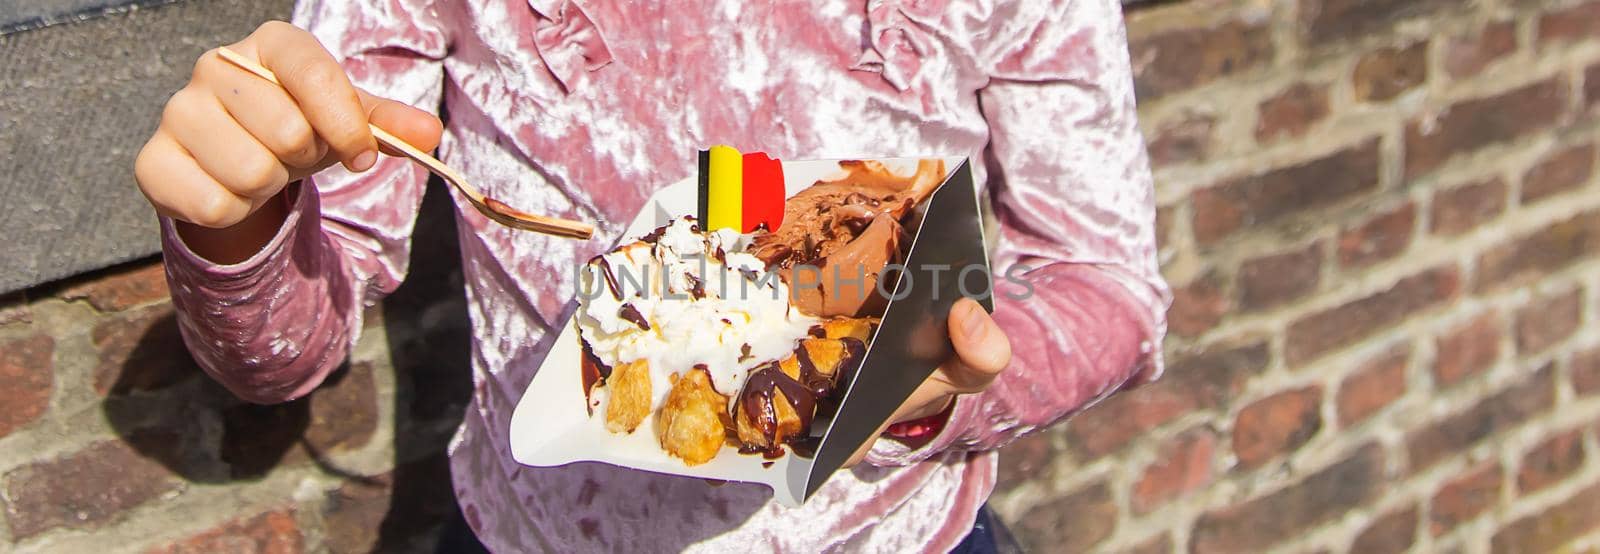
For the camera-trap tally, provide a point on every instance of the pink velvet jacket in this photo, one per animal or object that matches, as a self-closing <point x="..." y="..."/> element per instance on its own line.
<point x="583" y="108"/>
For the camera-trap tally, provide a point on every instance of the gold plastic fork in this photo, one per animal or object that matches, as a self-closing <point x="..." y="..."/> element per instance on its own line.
<point x="489" y="207"/>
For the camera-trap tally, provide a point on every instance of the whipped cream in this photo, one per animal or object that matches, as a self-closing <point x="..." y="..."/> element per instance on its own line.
<point x="680" y="298"/>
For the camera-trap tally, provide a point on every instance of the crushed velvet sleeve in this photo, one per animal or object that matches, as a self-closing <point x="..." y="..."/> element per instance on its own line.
<point x="1078" y="290"/>
<point x="272" y="327"/>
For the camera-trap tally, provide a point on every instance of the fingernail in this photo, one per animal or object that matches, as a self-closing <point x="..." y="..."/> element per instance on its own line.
<point x="972" y="322"/>
<point x="364" y="161"/>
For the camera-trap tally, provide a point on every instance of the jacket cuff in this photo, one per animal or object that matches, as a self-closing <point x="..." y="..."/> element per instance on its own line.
<point x="185" y="266"/>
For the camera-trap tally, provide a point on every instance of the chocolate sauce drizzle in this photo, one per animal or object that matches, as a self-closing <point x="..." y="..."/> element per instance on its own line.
<point x="854" y="352"/>
<point x="758" y="398"/>
<point x="697" y="288"/>
<point x="611" y="278"/>
<point x="631" y="314"/>
<point x="814" y="380"/>
<point x="805" y="395"/>
<point x="595" y="372"/>
<point x="655" y="235"/>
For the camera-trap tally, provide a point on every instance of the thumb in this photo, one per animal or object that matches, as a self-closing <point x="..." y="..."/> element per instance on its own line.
<point x="981" y="346"/>
<point x="418" y="128"/>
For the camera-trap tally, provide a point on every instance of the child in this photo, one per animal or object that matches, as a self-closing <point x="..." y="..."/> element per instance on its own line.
<point x="581" y="109"/>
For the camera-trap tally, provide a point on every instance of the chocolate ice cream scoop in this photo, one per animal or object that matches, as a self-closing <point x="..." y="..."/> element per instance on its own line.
<point x="837" y="236"/>
<point x="845" y="282"/>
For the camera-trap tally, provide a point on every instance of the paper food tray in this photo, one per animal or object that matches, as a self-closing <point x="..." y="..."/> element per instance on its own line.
<point x="551" y="426"/>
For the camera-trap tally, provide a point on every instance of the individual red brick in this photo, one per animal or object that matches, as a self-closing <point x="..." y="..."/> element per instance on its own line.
<point x="1586" y="371"/>
<point x="1197" y="306"/>
<point x="1071" y="523"/>
<point x="1291" y="112"/>
<point x="1199" y="382"/>
<point x="1464" y="497"/>
<point x="1500" y="412"/>
<point x="1181" y="59"/>
<point x="1546" y="531"/>
<point x="354" y="515"/>
<point x="27" y="374"/>
<point x="1553" y="460"/>
<point x="340" y="415"/>
<point x="1164" y="215"/>
<point x="1380" y="238"/>
<point x="1464" y="208"/>
<point x="1183" y="140"/>
<point x="1260" y="199"/>
<point x="1551" y="248"/>
<point x="1553" y="528"/>
<point x="1468" y="349"/>
<point x="1467" y="55"/>
<point x="1377" y="383"/>
<point x="1255" y="524"/>
<point x="140" y="350"/>
<point x="1333" y="20"/>
<point x="1024" y="460"/>
<point x="1564" y="170"/>
<point x="1479" y="122"/>
<point x="1317" y="333"/>
<point x="388" y="512"/>
<point x="1386" y="72"/>
<point x="1277" y="278"/>
<point x="268" y="533"/>
<point x="344" y="411"/>
<point x="122" y="288"/>
<point x="82" y="490"/>
<point x="1182" y="464"/>
<point x="1391" y="533"/>
<point x="1277" y="425"/>
<point x="1579" y="22"/>
<point x="1591" y="85"/>
<point x="1548" y="320"/>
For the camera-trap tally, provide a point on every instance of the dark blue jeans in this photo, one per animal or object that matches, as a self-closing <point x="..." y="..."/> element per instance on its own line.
<point x="988" y="536"/>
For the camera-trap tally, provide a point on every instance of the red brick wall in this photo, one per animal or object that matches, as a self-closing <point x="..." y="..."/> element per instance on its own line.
<point x="112" y="440"/>
<point x="1379" y="219"/>
<point x="1380" y="222"/>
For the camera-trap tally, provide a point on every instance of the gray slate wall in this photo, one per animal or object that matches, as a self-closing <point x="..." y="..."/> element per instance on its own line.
<point x="81" y="85"/>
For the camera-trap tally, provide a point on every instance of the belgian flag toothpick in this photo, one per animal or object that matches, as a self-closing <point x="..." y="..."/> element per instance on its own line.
<point x="742" y="192"/>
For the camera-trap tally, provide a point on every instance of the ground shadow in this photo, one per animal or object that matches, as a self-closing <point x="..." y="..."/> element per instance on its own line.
<point x="161" y="404"/>
<point x="430" y="344"/>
